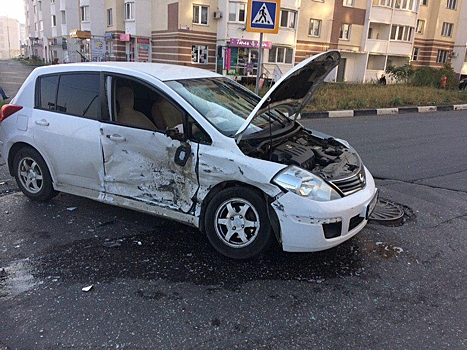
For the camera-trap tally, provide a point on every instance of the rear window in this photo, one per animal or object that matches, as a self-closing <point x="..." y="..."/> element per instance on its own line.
<point x="74" y="94"/>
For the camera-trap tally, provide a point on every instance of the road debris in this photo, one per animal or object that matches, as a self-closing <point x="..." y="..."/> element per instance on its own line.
<point x="88" y="288"/>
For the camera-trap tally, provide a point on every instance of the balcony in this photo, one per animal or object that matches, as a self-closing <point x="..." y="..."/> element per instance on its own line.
<point x="400" y="48"/>
<point x="376" y="46"/>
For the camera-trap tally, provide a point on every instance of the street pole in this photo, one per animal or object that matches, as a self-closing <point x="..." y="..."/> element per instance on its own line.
<point x="260" y="62"/>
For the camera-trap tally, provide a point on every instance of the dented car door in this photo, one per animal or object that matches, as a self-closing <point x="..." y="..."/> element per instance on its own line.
<point x="142" y="165"/>
<point x="145" y="152"/>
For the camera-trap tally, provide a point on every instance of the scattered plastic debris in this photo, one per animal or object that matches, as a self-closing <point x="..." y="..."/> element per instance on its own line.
<point x="112" y="244"/>
<point x="71" y="208"/>
<point x="88" y="288"/>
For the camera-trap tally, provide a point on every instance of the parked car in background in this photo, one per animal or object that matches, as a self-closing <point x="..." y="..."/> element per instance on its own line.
<point x="193" y="146"/>
<point x="463" y="84"/>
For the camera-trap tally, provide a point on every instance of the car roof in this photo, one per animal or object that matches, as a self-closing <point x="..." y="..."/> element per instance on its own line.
<point x="161" y="71"/>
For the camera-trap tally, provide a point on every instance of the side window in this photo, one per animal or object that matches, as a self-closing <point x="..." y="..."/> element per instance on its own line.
<point x="166" y="115"/>
<point x="138" y="105"/>
<point x="130" y="102"/>
<point x="47" y="92"/>
<point x="78" y="94"/>
<point x="197" y="134"/>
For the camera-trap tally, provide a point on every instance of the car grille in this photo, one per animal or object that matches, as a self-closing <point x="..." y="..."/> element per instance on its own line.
<point x="351" y="184"/>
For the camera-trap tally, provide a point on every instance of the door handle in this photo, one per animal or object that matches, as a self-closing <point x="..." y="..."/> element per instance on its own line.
<point x="42" y="122"/>
<point x="116" y="138"/>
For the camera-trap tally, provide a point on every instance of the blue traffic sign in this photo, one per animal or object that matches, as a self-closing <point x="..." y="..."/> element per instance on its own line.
<point x="263" y="16"/>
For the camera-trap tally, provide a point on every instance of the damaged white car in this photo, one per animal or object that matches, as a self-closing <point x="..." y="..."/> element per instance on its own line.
<point x="193" y="146"/>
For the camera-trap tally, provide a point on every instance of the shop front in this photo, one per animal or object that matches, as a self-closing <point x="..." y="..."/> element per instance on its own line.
<point x="240" y="58"/>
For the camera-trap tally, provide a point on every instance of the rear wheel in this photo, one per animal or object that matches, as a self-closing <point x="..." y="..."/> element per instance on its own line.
<point x="32" y="175"/>
<point x="237" y="223"/>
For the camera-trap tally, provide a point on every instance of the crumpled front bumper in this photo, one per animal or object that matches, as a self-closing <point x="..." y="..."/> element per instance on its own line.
<point x="308" y="226"/>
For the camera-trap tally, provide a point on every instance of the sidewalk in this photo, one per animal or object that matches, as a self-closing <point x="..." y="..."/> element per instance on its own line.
<point x="381" y="111"/>
<point x="12" y="75"/>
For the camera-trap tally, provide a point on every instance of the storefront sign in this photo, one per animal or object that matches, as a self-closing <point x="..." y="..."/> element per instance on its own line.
<point x="98" y="50"/>
<point x="142" y="48"/>
<point x="80" y="34"/>
<point x="227" y="58"/>
<point x="249" y="43"/>
<point x="125" y="37"/>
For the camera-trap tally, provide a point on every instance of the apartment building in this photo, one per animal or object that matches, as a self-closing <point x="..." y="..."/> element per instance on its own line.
<point x="128" y="25"/>
<point x="10" y="38"/>
<point x="459" y="52"/>
<point x="370" y="34"/>
<point x="436" y="30"/>
<point x="70" y="30"/>
<point x="389" y="35"/>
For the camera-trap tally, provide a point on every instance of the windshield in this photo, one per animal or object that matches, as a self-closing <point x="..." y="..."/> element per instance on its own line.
<point x="226" y="105"/>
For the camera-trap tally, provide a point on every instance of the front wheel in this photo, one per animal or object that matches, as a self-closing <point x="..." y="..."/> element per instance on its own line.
<point x="237" y="223"/>
<point x="32" y="175"/>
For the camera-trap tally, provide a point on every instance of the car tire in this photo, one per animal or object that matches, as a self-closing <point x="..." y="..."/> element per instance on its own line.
<point x="237" y="223"/>
<point x="32" y="175"/>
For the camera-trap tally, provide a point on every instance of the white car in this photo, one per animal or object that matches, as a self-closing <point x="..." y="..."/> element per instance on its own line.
<point x="193" y="146"/>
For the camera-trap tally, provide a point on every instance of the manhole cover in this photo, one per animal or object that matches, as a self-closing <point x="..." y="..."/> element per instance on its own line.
<point x="388" y="213"/>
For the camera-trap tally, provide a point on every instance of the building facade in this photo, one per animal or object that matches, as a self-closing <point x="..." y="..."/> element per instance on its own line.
<point x="437" y="27"/>
<point x="11" y="38"/>
<point x="370" y="34"/>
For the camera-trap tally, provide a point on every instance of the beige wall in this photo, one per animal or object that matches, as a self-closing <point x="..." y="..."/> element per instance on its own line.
<point x="9" y="37"/>
<point x="117" y="7"/>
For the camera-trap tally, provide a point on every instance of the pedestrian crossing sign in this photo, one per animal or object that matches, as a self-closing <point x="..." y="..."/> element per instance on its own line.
<point x="263" y="16"/>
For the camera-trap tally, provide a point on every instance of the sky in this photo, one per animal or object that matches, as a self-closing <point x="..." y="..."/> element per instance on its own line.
<point x="13" y="9"/>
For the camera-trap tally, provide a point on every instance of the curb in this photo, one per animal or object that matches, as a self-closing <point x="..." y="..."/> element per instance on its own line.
<point x="382" y="111"/>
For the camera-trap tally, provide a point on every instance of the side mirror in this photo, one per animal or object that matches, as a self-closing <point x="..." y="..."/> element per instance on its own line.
<point x="174" y="134"/>
<point x="182" y="154"/>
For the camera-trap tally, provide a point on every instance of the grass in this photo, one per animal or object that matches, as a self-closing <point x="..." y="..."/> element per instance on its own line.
<point x="334" y="97"/>
<point x="360" y="96"/>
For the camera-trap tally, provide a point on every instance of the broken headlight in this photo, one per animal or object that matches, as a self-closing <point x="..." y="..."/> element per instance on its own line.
<point x="305" y="184"/>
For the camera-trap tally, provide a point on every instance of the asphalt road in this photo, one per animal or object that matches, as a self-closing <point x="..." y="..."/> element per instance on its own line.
<point x="158" y="284"/>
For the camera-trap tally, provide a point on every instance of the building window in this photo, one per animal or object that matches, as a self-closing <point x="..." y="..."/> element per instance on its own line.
<point x="404" y="4"/>
<point x="41" y="25"/>
<point x="415" y="53"/>
<point x="315" y="27"/>
<point x="52" y="1"/>
<point x="200" y="14"/>
<point x="420" y="26"/>
<point x="349" y="3"/>
<point x="452" y="4"/>
<point x="53" y="20"/>
<point x="401" y="33"/>
<point x="424" y="3"/>
<point x="84" y="13"/>
<point x="35" y="9"/>
<point x="237" y="12"/>
<point x="447" y="29"/>
<point x="129" y="11"/>
<point x="199" y="54"/>
<point x="345" y="31"/>
<point x="465" y="57"/>
<point x="288" y="19"/>
<point x="442" y="56"/>
<point x="63" y="15"/>
<point x="110" y="19"/>
<point x="280" y="54"/>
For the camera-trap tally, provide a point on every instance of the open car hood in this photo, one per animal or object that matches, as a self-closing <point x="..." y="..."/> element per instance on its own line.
<point x="294" y="90"/>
